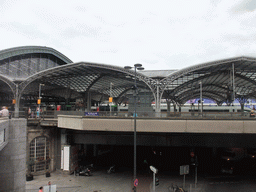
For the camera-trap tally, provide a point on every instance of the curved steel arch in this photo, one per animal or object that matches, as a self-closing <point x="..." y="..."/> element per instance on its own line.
<point x="181" y="72"/>
<point x="206" y="95"/>
<point x="123" y="92"/>
<point x="195" y="90"/>
<point x="245" y="78"/>
<point x="212" y="85"/>
<point x="64" y="69"/>
<point x="176" y="75"/>
<point x="9" y="82"/>
<point x="215" y="97"/>
<point x="179" y="89"/>
<point x="193" y="81"/>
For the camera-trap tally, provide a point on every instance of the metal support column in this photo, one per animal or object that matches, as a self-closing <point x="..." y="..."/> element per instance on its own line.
<point x="158" y="103"/>
<point x="135" y="131"/>
<point x="136" y="67"/>
<point x="196" y="164"/>
<point x="88" y="101"/>
<point x="233" y="83"/>
<point x="154" y="182"/>
<point x="39" y="105"/>
<point x="201" y="96"/>
<point x="17" y="104"/>
<point x="110" y="94"/>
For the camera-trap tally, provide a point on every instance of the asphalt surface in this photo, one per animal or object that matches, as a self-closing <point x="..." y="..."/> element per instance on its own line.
<point x="101" y="181"/>
<point x="122" y="181"/>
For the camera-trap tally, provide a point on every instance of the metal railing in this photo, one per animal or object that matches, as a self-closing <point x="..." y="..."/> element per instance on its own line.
<point x="24" y="114"/>
<point x="53" y="114"/>
<point x="164" y="115"/>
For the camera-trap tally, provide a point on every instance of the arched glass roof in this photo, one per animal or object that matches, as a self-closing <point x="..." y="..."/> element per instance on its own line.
<point x="7" y="53"/>
<point x="78" y="78"/>
<point x="217" y="78"/>
<point x="220" y="80"/>
<point x="21" y="62"/>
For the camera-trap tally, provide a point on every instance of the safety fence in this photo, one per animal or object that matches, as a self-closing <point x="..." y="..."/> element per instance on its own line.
<point x="53" y="114"/>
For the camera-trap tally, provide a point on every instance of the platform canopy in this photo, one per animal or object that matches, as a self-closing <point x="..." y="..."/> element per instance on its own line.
<point x="23" y="69"/>
<point x="221" y="80"/>
<point x="75" y="80"/>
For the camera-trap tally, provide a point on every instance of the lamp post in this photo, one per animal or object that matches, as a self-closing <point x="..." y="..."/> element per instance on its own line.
<point x="110" y="98"/>
<point x="136" y="67"/>
<point x="201" y="97"/>
<point x="39" y="103"/>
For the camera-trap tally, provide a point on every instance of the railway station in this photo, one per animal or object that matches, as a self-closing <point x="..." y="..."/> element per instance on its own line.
<point x="78" y="112"/>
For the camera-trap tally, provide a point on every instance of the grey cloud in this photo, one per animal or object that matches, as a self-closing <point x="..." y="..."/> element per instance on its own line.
<point x="26" y="30"/>
<point x="81" y="30"/>
<point x="241" y="39"/>
<point x="245" y="6"/>
<point x="81" y="8"/>
<point x="150" y="61"/>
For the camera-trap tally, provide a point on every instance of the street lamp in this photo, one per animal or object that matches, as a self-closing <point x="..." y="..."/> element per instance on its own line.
<point x="136" y="67"/>
<point x="110" y="98"/>
<point x="201" y="96"/>
<point x="39" y="100"/>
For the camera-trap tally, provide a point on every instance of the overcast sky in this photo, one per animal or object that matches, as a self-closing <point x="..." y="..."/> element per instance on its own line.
<point x="165" y="34"/>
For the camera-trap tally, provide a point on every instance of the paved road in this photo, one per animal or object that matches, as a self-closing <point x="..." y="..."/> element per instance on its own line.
<point x="123" y="182"/>
<point x="231" y="183"/>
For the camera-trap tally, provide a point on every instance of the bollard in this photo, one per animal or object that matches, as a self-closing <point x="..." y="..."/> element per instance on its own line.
<point x="190" y="188"/>
<point x="154" y="182"/>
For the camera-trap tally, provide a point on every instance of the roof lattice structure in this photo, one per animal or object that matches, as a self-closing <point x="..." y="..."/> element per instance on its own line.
<point x="22" y="69"/>
<point x="216" y="78"/>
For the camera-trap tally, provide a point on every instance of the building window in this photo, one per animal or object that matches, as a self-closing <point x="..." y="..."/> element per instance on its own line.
<point x="39" y="152"/>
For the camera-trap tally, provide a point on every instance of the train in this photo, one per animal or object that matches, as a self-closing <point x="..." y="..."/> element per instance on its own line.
<point x="195" y="108"/>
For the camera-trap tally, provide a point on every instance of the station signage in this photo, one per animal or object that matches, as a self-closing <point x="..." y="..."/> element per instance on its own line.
<point x="136" y="182"/>
<point x="184" y="169"/>
<point x="91" y="114"/>
<point x="153" y="169"/>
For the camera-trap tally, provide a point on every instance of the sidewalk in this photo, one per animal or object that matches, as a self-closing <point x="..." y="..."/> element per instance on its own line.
<point x="99" y="182"/>
<point x="103" y="182"/>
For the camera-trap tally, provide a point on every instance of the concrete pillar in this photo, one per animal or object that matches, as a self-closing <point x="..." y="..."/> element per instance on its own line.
<point x="13" y="158"/>
<point x="95" y="150"/>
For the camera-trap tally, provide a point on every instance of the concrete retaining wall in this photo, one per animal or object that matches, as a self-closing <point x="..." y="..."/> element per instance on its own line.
<point x="157" y="125"/>
<point x="4" y="129"/>
<point x="13" y="158"/>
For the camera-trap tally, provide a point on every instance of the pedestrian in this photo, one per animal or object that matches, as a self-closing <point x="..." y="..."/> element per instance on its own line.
<point x="252" y="114"/>
<point x="29" y="112"/>
<point x="5" y="112"/>
<point x="40" y="189"/>
<point x="32" y="114"/>
<point x="50" y="184"/>
<point x="37" y="113"/>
